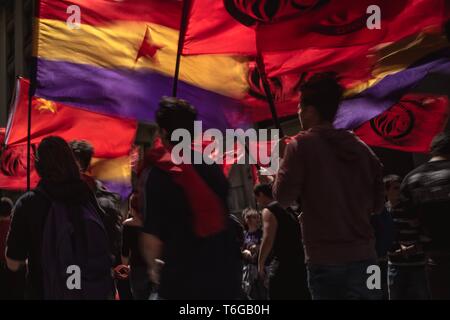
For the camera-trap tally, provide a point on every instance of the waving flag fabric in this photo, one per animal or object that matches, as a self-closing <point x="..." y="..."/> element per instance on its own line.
<point x="297" y="38"/>
<point x="409" y="125"/>
<point x="232" y="25"/>
<point x="121" y="61"/>
<point x="346" y="26"/>
<point x="212" y="30"/>
<point x="382" y="94"/>
<point x="111" y="138"/>
<point x="114" y="173"/>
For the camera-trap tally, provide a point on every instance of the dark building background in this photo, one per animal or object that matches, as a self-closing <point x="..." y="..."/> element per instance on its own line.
<point x="16" y="21"/>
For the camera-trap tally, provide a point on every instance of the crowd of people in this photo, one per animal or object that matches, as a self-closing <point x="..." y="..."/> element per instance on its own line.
<point x="324" y="220"/>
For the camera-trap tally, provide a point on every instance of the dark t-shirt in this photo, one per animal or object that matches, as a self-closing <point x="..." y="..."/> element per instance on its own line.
<point x="195" y="268"/>
<point x="25" y="238"/>
<point x="130" y="245"/>
<point x="287" y="247"/>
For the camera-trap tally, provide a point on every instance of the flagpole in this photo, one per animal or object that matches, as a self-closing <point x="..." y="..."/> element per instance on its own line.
<point x="31" y="91"/>
<point x="183" y="26"/>
<point x="268" y="92"/>
<point x="30" y="100"/>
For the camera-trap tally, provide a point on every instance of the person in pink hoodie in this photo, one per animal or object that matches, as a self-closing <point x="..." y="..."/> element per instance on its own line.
<point x="337" y="180"/>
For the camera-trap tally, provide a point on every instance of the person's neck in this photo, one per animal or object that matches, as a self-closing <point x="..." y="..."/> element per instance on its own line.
<point x="252" y="228"/>
<point x="439" y="158"/>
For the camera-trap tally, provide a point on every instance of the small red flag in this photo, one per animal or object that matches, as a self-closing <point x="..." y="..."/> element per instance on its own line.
<point x="111" y="137"/>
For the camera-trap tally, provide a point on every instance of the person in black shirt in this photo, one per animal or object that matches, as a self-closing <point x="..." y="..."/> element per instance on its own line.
<point x="282" y="236"/>
<point x="426" y="195"/>
<point x="194" y="266"/>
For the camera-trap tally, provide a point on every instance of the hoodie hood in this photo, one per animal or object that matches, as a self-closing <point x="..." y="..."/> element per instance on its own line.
<point x="343" y="142"/>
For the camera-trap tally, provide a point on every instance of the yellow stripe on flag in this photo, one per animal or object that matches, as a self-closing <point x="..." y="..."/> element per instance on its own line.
<point x="397" y="56"/>
<point x="117" y="46"/>
<point x="115" y="170"/>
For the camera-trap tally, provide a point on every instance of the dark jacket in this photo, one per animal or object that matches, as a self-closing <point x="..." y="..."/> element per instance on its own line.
<point x="109" y="202"/>
<point x="28" y="221"/>
<point x="338" y="181"/>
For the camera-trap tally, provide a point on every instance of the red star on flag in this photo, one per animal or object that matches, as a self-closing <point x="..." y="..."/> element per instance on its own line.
<point x="148" y="48"/>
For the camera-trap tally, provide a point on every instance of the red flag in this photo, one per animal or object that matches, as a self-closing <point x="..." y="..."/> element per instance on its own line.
<point x="111" y="137"/>
<point x="351" y="64"/>
<point x="409" y="126"/>
<point x="347" y="25"/>
<point x="228" y="26"/>
<point x="211" y="29"/>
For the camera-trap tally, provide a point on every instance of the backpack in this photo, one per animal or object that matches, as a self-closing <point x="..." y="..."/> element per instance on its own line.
<point x="76" y="262"/>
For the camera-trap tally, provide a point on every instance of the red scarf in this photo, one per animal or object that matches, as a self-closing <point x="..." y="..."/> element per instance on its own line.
<point x="207" y="208"/>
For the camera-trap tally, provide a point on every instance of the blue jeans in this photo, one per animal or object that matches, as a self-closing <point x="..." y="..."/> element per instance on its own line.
<point x="342" y="282"/>
<point x="407" y="283"/>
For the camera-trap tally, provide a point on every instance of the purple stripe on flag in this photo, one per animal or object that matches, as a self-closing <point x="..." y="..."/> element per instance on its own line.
<point x="378" y="98"/>
<point x="130" y="93"/>
<point x="122" y="188"/>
